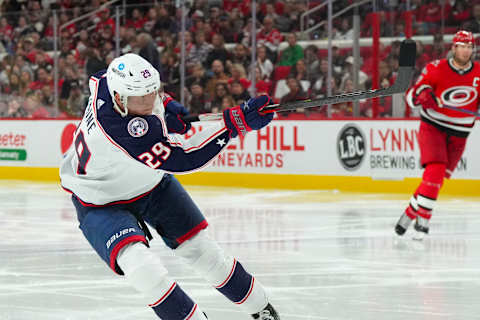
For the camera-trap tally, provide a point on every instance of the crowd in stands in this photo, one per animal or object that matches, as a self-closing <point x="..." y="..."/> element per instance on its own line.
<point x="218" y="44"/>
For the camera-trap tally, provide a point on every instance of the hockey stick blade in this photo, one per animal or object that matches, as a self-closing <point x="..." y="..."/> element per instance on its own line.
<point x="473" y="113"/>
<point x="408" y="52"/>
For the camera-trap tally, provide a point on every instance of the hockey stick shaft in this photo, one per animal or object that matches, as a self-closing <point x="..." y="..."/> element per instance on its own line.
<point x="406" y="69"/>
<point x="462" y="110"/>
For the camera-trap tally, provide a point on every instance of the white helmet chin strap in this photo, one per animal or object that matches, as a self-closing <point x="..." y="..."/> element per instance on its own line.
<point x="123" y="100"/>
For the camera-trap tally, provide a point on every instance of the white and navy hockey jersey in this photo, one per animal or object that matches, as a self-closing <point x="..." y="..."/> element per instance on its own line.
<point x="116" y="159"/>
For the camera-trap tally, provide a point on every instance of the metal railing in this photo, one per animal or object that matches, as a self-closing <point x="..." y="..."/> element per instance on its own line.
<point x="336" y="15"/>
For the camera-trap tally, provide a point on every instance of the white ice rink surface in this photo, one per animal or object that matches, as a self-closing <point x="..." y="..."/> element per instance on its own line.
<point x="320" y="255"/>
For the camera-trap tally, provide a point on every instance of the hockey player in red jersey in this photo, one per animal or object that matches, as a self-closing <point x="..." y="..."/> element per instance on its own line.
<point x="443" y="132"/>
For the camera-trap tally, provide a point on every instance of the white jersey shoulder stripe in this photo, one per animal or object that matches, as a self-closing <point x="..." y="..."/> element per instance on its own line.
<point x="94" y="106"/>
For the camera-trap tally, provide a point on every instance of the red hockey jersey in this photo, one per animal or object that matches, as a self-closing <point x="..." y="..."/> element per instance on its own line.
<point x="453" y="87"/>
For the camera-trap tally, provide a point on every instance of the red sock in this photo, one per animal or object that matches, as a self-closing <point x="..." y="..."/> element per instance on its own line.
<point x="426" y="194"/>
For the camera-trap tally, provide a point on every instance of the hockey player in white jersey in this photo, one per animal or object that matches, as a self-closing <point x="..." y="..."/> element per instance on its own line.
<point x="119" y="173"/>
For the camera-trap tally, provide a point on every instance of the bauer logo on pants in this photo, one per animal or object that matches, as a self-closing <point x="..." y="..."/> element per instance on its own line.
<point x="351" y="146"/>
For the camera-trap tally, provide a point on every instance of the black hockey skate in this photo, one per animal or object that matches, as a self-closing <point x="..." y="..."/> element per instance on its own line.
<point x="268" y="313"/>
<point x="421" y="228"/>
<point x="403" y="224"/>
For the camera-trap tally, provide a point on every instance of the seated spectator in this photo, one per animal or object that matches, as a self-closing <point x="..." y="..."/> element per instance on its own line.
<point x="262" y="86"/>
<point x="218" y="51"/>
<point x="227" y="102"/>
<point x="198" y="101"/>
<point x="77" y="101"/>
<point x="199" y="51"/>
<point x="348" y="74"/>
<point x="148" y="50"/>
<point x="270" y="37"/>
<point x="171" y="74"/>
<point x="299" y="71"/>
<point x="104" y="20"/>
<point x="198" y="76"/>
<point x="164" y="21"/>
<point x="16" y="109"/>
<point x="95" y="62"/>
<point x="265" y="65"/>
<point x="459" y="14"/>
<point x="345" y="31"/>
<point x="221" y="90"/>
<point x="13" y="84"/>
<point x="188" y="43"/>
<point x="292" y="53"/>
<point x="241" y="56"/>
<point x="218" y="76"/>
<point x="25" y="80"/>
<point x="239" y="75"/>
<point x="238" y="92"/>
<point x="230" y="35"/>
<point x="438" y="48"/>
<point x="150" y="20"/>
<point x="42" y="78"/>
<point x="473" y="25"/>
<point x="296" y="92"/>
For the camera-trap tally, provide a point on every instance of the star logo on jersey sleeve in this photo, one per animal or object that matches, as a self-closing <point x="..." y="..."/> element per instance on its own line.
<point x="221" y="142"/>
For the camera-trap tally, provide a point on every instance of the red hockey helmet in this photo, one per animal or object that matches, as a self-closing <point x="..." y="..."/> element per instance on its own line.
<point x="463" y="37"/>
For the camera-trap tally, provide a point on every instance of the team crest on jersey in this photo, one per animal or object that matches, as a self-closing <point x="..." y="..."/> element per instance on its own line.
<point x="459" y="96"/>
<point x="137" y="127"/>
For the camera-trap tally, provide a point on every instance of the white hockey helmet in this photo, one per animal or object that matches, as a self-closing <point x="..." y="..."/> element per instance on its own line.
<point x="131" y="75"/>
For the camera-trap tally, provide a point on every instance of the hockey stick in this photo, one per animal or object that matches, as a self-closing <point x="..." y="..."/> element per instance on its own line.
<point x="462" y="110"/>
<point x="408" y="52"/>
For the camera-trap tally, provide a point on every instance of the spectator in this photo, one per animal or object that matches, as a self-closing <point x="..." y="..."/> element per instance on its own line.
<point x="473" y="24"/>
<point x="150" y="20"/>
<point x="292" y="53"/>
<point x="198" y="76"/>
<point x="239" y="75"/>
<point x="265" y="65"/>
<point x="438" y="48"/>
<point x="105" y="20"/>
<point x="25" y="80"/>
<point x="15" y="109"/>
<point x="200" y="50"/>
<point x="270" y="37"/>
<point x="22" y="28"/>
<point x="14" y="84"/>
<point x="348" y="74"/>
<point x="240" y="55"/>
<point x="198" y="102"/>
<point x="219" y="76"/>
<point x="345" y="109"/>
<point x="227" y="102"/>
<point x="238" y="92"/>
<point x="345" y="32"/>
<point x="42" y="79"/>
<point x="148" y="50"/>
<point x="221" y="91"/>
<point x="262" y="86"/>
<point x="299" y="71"/>
<point x="296" y="92"/>
<point x="311" y="59"/>
<point x="226" y="29"/>
<point x="218" y="52"/>
<point x="77" y="101"/>
<point x="171" y="74"/>
<point x="459" y="14"/>
<point x="188" y="43"/>
<point x="164" y="21"/>
<point x="95" y="62"/>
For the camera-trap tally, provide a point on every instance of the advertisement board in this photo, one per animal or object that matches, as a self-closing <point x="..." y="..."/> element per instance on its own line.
<point x="382" y="149"/>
